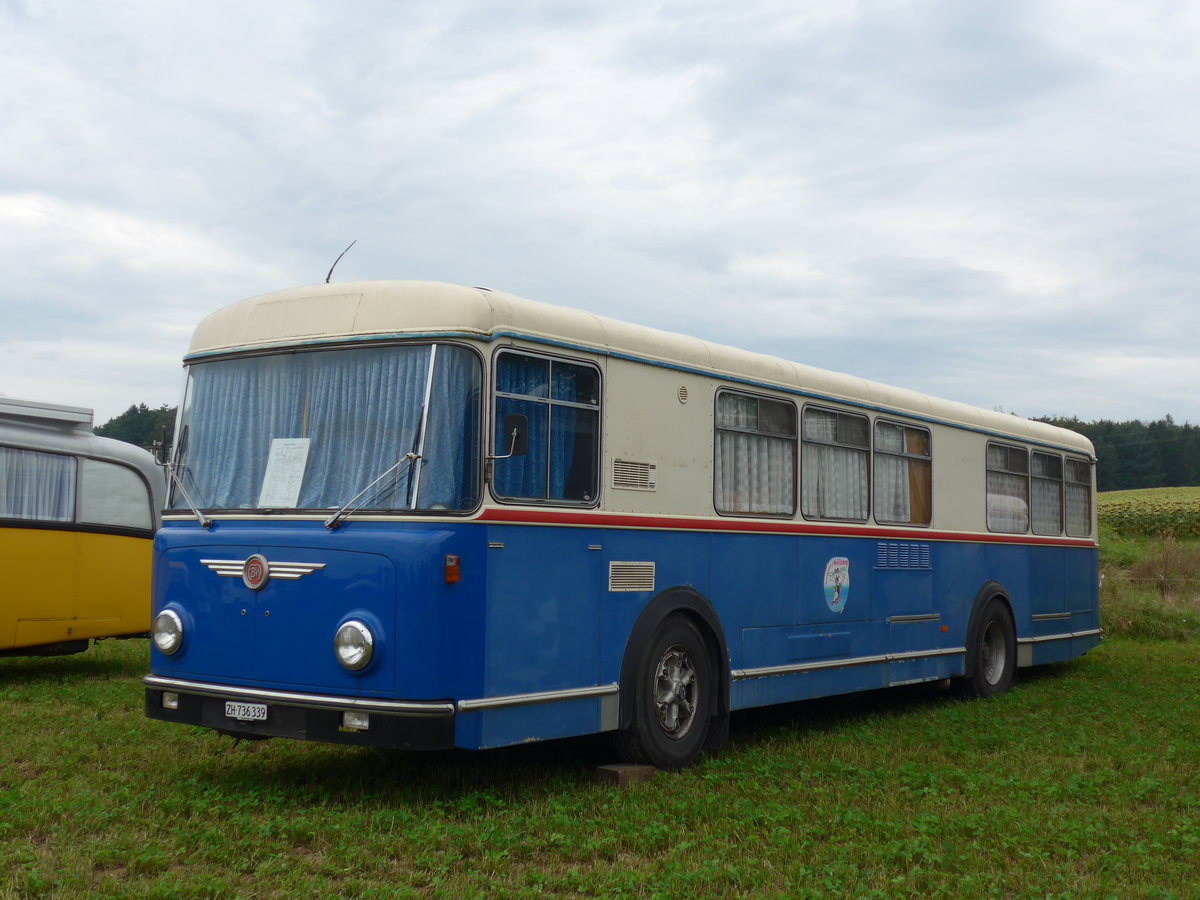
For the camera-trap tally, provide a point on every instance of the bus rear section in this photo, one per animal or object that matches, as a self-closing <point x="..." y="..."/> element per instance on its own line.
<point x="77" y="518"/>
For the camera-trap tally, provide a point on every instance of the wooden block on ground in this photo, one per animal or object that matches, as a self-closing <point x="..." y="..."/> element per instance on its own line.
<point x="624" y="774"/>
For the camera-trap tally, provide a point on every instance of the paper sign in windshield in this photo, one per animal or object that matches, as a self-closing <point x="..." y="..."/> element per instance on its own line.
<point x="285" y="474"/>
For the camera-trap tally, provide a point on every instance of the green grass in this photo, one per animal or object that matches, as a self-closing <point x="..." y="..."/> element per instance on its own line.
<point x="1150" y="563"/>
<point x="1082" y="782"/>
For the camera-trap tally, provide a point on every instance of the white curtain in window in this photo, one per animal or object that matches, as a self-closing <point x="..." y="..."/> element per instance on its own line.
<point x="892" y="501"/>
<point x="1007" y="508"/>
<point x="361" y="409"/>
<point x="1079" y="510"/>
<point x="834" y="479"/>
<point x="1047" y="506"/>
<point x="834" y="484"/>
<point x="755" y="473"/>
<point x="36" y="485"/>
<point x="820" y="425"/>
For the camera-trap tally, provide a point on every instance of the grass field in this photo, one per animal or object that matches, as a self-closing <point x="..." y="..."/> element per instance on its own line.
<point x="1081" y="782"/>
<point x="1084" y="781"/>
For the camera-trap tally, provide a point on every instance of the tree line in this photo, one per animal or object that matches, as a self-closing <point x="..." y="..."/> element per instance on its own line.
<point x="1131" y="454"/>
<point x="141" y="425"/>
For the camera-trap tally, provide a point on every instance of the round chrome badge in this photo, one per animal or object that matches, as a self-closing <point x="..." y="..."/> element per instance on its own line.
<point x="255" y="572"/>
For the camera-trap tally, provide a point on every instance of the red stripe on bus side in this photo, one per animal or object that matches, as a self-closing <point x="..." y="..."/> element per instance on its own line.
<point x="515" y="516"/>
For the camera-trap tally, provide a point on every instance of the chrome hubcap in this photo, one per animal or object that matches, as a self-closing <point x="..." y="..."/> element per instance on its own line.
<point x="675" y="692"/>
<point x="993" y="653"/>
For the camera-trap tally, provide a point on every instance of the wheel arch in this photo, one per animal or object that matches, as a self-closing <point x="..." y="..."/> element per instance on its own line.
<point x="695" y="606"/>
<point x="992" y="590"/>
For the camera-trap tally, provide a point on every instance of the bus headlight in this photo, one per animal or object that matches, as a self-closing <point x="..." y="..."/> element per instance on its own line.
<point x="167" y="631"/>
<point x="354" y="645"/>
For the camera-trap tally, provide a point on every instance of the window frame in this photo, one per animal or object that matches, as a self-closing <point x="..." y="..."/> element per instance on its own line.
<point x="1035" y="479"/>
<point x="987" y="493"/>
<point x="794" y="438"/>
<point x="551" y="403"/>
<point x="905" y="455"/>
<point x="1068" y="482"/>
<point x="72" y="518"/>
<point x="84" y="496"/>
<point x="176" y="506"/>
<point x="76" y="522"/>
<point x="865" y="449"/>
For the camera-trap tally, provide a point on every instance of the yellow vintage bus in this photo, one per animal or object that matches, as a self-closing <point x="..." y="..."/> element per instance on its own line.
<point x="78" y="514"/>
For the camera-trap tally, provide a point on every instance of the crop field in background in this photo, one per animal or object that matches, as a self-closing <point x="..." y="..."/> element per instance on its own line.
<point x="1084" y="781"/>
<point x="1152" y="512"/>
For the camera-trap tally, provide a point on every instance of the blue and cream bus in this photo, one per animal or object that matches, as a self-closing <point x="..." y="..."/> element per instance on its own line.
<point x="77" y="519"/>
<point x="415" y="515"/>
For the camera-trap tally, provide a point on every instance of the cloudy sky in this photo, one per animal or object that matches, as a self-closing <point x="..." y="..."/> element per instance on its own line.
<point x="993" y="202"/>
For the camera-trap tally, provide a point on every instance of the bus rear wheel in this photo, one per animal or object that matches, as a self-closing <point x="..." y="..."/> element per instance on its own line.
<point x="672" y="698"/>
<point x="991" y="653"/>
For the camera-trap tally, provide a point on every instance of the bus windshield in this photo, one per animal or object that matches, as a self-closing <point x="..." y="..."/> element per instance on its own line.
<point x="312" y="429"/>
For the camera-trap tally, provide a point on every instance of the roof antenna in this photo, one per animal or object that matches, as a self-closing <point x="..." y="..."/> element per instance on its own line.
<point x="338" y="260"/>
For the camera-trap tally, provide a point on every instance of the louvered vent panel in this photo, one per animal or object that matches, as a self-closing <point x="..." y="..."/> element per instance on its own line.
<point x="634" y="476"/>
<point x="891" y="555"/>
<point x="630" y="576"/>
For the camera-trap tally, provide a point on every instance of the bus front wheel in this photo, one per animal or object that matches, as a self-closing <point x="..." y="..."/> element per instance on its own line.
<point x="991" y="653"/>
<point x="672" y="698"/>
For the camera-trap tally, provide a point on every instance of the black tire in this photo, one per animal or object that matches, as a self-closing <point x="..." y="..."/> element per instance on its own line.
<point x="672" y="698"/>
<point x="991" y="653"/>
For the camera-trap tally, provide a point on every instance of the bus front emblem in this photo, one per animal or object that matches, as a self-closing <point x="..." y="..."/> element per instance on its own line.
<point x="255" y="572"/>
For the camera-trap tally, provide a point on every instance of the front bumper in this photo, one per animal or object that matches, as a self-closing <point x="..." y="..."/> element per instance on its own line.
<point x="398" y="724"/>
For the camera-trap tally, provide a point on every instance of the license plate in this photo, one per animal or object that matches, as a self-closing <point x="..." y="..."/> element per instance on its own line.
<point x="246" y="712"/>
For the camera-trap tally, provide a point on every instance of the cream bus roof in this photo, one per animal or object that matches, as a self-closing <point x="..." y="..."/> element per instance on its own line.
<point x="330" y="313"/>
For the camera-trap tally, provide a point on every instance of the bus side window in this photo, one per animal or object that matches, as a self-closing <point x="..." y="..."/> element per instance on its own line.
<point x="561" y="403"/>
<point x="113" y="495"/>
<point x="1007" y="489"/>
<point x="903" y="474"/>
<point x="1079" y="498"/>
<point x="755" y="458"/>
<point x="834" y="479"/>
<point x="1046" y="493"/>
<point x="36" y="485"/>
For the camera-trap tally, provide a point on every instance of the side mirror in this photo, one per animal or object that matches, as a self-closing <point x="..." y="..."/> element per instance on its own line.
<point x="516" y="435"/>
<point x="160" y="449"/>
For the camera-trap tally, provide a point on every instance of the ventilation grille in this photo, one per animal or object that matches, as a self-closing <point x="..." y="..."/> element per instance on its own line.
<point x="902" y="556"/>
<point x="634" y="476"/>
<point x="630" y="576"/>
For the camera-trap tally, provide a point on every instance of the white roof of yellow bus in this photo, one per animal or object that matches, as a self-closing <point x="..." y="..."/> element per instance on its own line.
<point x="331" y="313"/>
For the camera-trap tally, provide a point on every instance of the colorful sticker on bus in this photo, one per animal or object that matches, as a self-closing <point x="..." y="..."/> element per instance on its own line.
<point x="837" y="583"/>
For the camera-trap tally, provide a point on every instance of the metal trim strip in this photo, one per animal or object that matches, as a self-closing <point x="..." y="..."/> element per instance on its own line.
<point x="797" y="668"/>
<point x="485" y="703"/>
<point x="1091" y="632"/>
<point x="416" y="708"/>
<point x="908" y="620"/>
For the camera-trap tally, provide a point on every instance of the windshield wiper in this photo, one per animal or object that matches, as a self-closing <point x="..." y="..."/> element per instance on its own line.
<point x="393" y="471"/>
<point x="181" y="450"/>
<point x="205" y="521"/>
